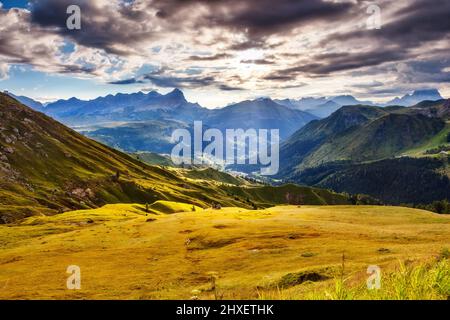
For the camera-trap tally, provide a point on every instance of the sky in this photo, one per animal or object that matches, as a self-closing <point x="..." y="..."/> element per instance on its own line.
<point x="223" y="51"/>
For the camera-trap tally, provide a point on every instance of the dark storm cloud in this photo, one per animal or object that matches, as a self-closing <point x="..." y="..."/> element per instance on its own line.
<point x="247" y="44"/>
<point x="101" y="27"/>
<point x="277" y="76"/>
<point x="430" y="71"/>
<point x="225" y="87"/>
<point x="336" y="62"/>
<point x="106" y="28"/>
<point x="349" y="61"/>
<point x="10" y="51"/>
<point x="416" y="24"/>
<point x="76" y="69"/>
<point x="373" y="84"/>
<point x="258" y="61"/>
<point x="402" y="39"/>
<point x="179" y="82"/>
<point x="259" y="17"/>
<point x="162" y="78"/>
<point x="210" y="58"/>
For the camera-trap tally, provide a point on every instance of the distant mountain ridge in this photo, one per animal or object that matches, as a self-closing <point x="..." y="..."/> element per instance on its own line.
<point x="125" y="107"/>
<point x="322" y="107"/>
<point x="141" y="106"/>
<point x="173" y="108"/>
<point x="144" y="121"/>
<point x="261" y="113"/>
<point x="416" y="97"/>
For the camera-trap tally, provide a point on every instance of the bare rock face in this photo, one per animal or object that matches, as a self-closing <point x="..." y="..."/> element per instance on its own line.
<point x="89" y="193"/>
<point x="9" y="150"/>
<point x="82" y="193"/>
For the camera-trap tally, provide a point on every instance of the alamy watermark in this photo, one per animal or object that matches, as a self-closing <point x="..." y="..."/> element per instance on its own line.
<point x="374" y="20"/>
<point x="74" y="280"/>
<point x="374" y="279"/>
<point x="73" y="22"/>
<point x="237" y="146"/>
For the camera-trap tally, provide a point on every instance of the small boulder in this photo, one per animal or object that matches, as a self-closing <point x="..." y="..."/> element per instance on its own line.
<point x="9" y="150"/>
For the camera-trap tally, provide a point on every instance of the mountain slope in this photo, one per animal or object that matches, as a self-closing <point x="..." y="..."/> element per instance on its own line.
<point x="46" y="168"/>
<point x="325" y="109"/>
<point x="394" y="181"/>
<point x="260" y="113"/>
<point x="357" y="133"/>
<point x="303" y="142"/>
<point x="382" y="138"/>
<point x="47" y="165"/>
<point x="439" y="108"/>
<point x="36" y="105"/>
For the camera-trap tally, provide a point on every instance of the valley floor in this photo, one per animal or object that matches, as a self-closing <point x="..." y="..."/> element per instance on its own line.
<point x="285" y="252"/>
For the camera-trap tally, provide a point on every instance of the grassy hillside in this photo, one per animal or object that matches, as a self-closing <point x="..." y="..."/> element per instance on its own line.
<point x="285" y="252"/>
<point x="381" y="138"/>
<point x="209" y="174"/>
<point x="305" y="141"/>
<point x="287" y="194"/>
<point x="153" y="158"/>
<point x="166" y="207"/>
<point x="439" y="109"/>
<point x="359" y="133"/>
<point x="47" y="168"/>
<point x="440" y="139"/>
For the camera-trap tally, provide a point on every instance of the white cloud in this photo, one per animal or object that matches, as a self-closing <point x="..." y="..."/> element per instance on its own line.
<point x="4" y="70"/>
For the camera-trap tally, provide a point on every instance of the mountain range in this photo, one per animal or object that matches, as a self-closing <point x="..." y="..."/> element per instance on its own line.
<point x="138" y="112"/>
<point x="48" y="168"/>
<point x="374" y="150"/>
<point x="360" y="133"/>
<point x="415" y="97"/>
<point x="128" y="121"/>
<point x="153" y="105"/>
<point x="124" y="107"/>
<point x="322" y="107"/>
<point x="335" y="151"/>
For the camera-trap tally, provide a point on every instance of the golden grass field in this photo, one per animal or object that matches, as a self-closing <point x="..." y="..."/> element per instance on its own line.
<point x="232" y="253"/>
